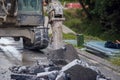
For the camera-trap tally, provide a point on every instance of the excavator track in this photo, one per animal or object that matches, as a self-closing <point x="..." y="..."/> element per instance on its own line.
<point x="41" y="40"/>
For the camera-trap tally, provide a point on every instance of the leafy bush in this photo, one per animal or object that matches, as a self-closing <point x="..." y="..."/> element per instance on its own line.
<point x="79" y="24"/>
<point x="74" y="24"/>
<point x="108" y="12"/>
<point x="105" y="23"/>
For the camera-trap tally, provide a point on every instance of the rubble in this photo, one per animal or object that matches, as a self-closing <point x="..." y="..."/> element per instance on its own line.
<point x="75" y="70"/>
<point x="63" y="55"/>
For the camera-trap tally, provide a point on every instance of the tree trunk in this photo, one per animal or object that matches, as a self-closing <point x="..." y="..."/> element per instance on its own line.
<point x="83" y="6"/>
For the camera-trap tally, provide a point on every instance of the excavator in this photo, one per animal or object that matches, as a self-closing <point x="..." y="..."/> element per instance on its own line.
<point x="25" y="19"/>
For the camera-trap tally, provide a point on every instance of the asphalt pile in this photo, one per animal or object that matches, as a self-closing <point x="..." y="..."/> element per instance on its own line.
<point x="75" y="70"/>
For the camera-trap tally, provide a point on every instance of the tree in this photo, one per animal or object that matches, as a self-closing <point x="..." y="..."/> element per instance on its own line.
<point x="84" y="8"/>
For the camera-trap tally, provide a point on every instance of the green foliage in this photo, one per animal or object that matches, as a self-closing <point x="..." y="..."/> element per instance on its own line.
<point x="89" y="38"/>
<point x="105" y="21"/>
<point x="73" y="19"/>
<point x="72" y="13"/>
<point x="80" y="25"/>
<point x="74" y="24"/>
<point x="108" y="12"/>
<point x="69" y="0"/>
<point x="91" y="27"/>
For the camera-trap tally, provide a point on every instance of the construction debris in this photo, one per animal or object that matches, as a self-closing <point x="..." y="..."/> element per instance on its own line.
<point x="64" y="55"/>
<point x="75" y="70"/>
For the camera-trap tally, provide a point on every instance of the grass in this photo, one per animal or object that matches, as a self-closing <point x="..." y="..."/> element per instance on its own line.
<point x="89" y="38"/>
<point x="69" y="36"/>
<point x="115" y="60"/>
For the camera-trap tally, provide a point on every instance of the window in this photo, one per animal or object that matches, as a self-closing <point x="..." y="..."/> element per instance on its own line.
<point x="29" y="5"/>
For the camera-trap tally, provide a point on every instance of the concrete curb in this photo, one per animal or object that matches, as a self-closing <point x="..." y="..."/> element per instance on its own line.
<point x="99" y="60"/>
